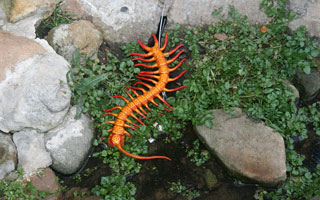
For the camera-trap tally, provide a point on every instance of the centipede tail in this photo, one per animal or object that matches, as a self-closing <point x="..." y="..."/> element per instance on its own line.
<point x="159" y="78"/>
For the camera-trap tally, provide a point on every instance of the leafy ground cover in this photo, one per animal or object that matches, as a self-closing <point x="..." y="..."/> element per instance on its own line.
<point x="247" y="70"/>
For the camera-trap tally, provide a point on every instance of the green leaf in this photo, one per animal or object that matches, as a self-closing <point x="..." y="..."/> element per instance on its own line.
<point x="208" y="123"/>
<point x="307" y="69"/>
<point x="315" y="53"/>
<point x="95" y="142"/>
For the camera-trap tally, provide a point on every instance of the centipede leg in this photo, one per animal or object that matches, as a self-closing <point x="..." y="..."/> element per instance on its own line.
<point x="121" y="97"/>
<point x="142" y="55"/>
<point x="159" y="97"/>
<point x="175" y="57"/>
<point x="148" y="72"/>
<point x="175" y="78"/>
<point x="144" y="60"/>
<point x="175" y="89"/>
<point x="147" y="66"/>
<point x="111" y="109"/>
<point x="149" y="75"/>
<point x="178" y="65"/>
<point x="144" y="46"/>
<point x="174" y="50"/>
<point x="147" y="79"/>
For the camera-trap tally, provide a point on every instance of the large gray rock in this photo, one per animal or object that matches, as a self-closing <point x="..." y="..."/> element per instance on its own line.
<point x="129" y="20"/>
<point x="69" y="143"/>
<point x="33" y="89"/>
<point x="125" y="20"/>
<point x="308" y="14"/>
<point x="32" y="154"/>
<point x="82" y="35"/>
<point x="8" y="155"/>
<point x="308" y="84"/>
<point x="249" y="150"/>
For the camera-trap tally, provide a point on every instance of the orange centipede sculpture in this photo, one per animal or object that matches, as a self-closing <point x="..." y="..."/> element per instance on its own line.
<point x="159" y="78"/>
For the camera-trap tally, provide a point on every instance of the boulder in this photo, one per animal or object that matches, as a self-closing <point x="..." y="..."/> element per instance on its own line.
<point x="32" y="154"/>
<point x="8" y="155"/>
<point x="82" y="35"/>
<point x="250" y="151"/>
<point x="33" y="88"/>
<point x="70" y="143"/>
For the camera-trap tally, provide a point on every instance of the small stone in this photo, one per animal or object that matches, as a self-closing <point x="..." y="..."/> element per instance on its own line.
<point x="45" y="180"/>
<point x="67" y="38"/>
<point x="211" y="179"/>
<point x="220" y="36"/>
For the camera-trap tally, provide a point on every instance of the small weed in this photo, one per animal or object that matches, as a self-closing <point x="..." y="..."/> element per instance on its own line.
<point x="58" y="17"/>
<point x="183" y="191"/>
<point x="115" y="187"/>
<point x="77" y="178"/>
<point x="12" y="189"/>
<point x="198" y="156"/>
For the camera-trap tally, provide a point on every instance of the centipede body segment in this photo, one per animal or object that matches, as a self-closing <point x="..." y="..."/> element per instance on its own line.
<point x="135" y="105"/>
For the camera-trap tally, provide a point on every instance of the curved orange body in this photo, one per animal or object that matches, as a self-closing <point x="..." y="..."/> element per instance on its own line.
<point x="159" y="78"/>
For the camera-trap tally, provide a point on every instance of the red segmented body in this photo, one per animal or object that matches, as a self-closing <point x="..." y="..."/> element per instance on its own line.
<point x="159" y="77"/>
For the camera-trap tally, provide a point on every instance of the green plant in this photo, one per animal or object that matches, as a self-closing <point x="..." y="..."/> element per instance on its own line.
<point x="115" y="187"/>
<point x="246" y="70"/>
<point x="77" y="178"/>
<point x="58" y="17"/>
<point x="12" y="189"/>
<point x="177" y="187"/>
<point x="197" y="155"/>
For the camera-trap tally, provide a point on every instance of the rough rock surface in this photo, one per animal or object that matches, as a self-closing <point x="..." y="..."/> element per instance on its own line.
<point x="45" y="180"/>
<point x="308" y="84"/>
<point x="25" y="15"/>
<point x="2" y="17"/>
<point x="307" y="15"/>
<point x="198" y="13"/>
<point x="125" y="20"/>
<point x="74" y="8"/>
<point x="129" y="20"/>
<point x="22" y="8"/>
<point x="69" y="143"/>
<point x="8" y="155"/>
<point x="66" y="38"/>
<point x="33" y="92"/>
<point x="15" y="49"/>
<point x="32" y="154"/>
<point x="249" y="150"/>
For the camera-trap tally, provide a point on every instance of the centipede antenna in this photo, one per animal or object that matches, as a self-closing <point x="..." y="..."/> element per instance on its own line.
<point x="163" y="21"/>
